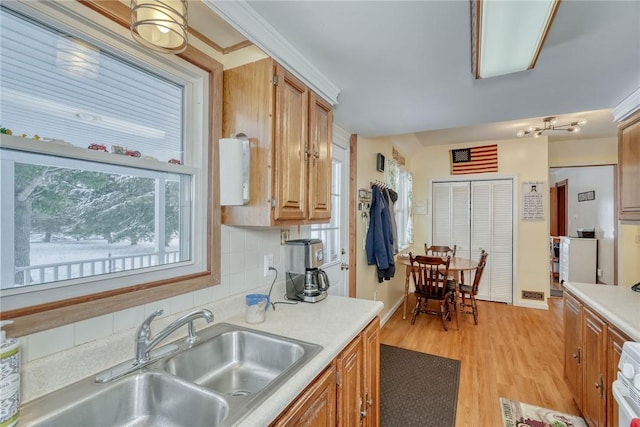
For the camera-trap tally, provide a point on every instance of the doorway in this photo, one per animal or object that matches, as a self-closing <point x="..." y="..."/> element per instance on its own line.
<point x="558" y="206"/>
<point x="598" y="212"/>
<point x="335" y="234"/>
<point x="558" y="227"/>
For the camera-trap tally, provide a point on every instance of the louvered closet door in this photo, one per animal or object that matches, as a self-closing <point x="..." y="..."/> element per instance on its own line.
<point x="477" y="215"/>
<point x="451" y="216"/>
<point x="492" y="230"/>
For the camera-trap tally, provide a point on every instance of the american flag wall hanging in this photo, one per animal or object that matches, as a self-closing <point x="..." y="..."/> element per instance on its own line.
<point x="474" y="160"/>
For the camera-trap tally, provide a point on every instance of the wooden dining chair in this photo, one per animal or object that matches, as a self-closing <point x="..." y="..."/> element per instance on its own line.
<point x="429" y="278"/>
<point x="441" y="251"/>
<point x="444" y="251"/>
<point x="472" y="290"/>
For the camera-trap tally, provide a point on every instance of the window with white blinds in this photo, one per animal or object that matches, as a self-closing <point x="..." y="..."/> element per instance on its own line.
<point x="103" y="166"/>
<point x="477" y="215"/>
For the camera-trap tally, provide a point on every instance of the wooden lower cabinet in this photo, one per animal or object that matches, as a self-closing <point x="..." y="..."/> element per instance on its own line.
<point x="316" y="406"/>
<point x="371" y="372"/>
<point x="594" y="399"/>
<point x="592" y="352"/>
<point x="347" y="393"/>
<point x="572" y="314"/>
<point x="350" y="382"/>
<point x="614" y="349"/>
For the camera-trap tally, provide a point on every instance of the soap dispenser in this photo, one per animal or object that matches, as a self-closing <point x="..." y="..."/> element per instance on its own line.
<point x="9" y="378"/>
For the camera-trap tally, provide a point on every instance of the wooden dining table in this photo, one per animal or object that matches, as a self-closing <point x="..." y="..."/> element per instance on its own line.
<point x="456" y="266"/>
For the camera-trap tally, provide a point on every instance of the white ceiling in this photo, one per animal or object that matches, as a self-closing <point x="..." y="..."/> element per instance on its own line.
<point x="405" y="68"/>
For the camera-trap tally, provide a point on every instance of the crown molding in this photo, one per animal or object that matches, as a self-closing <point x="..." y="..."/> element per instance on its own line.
<point x="250" y="24"/>
<point x="627" y="107"/>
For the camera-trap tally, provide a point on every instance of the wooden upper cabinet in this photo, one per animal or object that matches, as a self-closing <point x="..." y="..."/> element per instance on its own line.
<point x="289" y="128"/>
<point x="629" y="169"/>
<point x="320" y="143"/>
<point x="290" y="147"/>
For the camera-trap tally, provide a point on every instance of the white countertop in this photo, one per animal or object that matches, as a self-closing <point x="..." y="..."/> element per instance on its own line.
<point x="617" y="304"/>
<point x="332" y="323"/>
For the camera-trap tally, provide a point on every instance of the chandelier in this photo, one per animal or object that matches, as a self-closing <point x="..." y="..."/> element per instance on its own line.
<point x="551" y="123"/>
<point x="160" y="25"/>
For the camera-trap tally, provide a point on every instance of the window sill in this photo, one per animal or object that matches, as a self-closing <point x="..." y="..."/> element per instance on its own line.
<point x="64" y="149"/>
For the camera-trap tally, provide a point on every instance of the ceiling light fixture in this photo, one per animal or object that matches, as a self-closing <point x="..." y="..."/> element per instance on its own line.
<point x="551" y="123"/>
<point x="160" y="25"/>
<point x="507" y="36"/>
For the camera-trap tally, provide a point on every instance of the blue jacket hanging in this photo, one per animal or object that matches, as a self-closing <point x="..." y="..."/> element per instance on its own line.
<point x="379" y="242"/>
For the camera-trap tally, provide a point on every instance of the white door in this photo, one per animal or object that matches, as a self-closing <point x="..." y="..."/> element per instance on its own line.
<point x="492" y="230"/>
<point x="451" y="216"/>
<point x="335" y="234"/>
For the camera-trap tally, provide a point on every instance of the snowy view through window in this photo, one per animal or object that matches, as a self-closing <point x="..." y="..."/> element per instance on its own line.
<point x="82" y="208"/>
<point x="77" y="223"/>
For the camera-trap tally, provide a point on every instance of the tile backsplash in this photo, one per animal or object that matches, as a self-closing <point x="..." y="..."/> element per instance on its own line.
<point x="242" y="254"/>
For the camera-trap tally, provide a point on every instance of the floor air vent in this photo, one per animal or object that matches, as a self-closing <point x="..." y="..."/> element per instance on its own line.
<point x="534" y="295"/>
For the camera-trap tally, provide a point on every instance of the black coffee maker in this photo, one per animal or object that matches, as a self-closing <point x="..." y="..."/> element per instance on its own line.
<point x="305" y="280"/>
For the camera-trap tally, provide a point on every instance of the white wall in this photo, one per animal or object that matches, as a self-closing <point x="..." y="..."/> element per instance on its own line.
<point x="598" y="213"/>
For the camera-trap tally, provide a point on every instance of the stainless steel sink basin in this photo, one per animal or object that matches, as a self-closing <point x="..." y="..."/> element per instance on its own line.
<point x="237" y="362"/>
<point x="215" y="381"/>
<point x="142" y="399"/>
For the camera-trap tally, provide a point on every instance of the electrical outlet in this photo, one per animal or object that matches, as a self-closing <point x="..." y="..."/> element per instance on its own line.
<point x="599" y="272"/>
<point x="637" y="238"/>
<point x="268" y="262"/>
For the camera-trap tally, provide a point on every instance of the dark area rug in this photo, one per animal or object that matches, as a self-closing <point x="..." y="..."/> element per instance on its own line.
<point x="417" y="389"/>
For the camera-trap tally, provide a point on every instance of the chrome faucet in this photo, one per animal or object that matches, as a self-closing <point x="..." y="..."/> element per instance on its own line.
<point x="144" y="342"/>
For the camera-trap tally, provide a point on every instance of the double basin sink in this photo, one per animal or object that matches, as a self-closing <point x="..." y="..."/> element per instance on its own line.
<point x="215" y="381"/>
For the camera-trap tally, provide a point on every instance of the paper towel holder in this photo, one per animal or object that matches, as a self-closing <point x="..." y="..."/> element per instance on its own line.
<point x="234" y="153"/>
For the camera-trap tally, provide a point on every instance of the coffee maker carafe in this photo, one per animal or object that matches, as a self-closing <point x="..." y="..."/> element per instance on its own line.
<point x="305" y="281"/>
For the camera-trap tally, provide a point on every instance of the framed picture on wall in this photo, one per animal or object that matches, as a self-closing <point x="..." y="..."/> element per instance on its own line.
<point x="586" y="196"/>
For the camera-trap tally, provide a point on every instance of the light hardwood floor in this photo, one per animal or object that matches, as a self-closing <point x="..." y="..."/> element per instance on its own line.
<point x="513" y="352"/>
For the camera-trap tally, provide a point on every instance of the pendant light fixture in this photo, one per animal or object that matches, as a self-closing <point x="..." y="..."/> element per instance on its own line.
<point x="551" y="124"/>
<point x="160" y="25"/>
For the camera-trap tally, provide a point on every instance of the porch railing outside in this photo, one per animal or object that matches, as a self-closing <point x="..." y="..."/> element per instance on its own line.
<point x="47" y="273"/>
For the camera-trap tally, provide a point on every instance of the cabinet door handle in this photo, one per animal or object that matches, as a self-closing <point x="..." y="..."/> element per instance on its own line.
<point x="600" y="385"/>
<point x="368" y="401"/>
<point x="576" y="356"/>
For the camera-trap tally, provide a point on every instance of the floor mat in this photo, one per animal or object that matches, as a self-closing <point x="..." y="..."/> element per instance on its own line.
<point x="518" y="414"/>
<point x="417" y="389"/>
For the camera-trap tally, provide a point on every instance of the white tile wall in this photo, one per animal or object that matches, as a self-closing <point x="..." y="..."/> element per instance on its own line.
<point x="92" y="329"/>
<point x="242" y="255"/>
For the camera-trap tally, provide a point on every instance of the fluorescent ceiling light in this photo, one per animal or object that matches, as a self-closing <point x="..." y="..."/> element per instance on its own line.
<point x="507" y="35"/>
